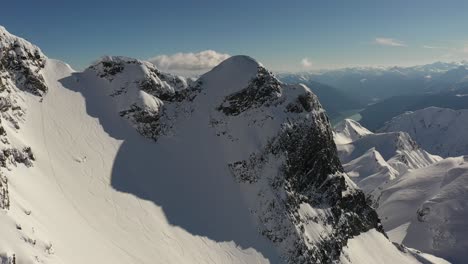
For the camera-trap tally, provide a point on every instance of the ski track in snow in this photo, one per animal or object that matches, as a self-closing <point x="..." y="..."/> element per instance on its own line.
<point x="51" y="164"/>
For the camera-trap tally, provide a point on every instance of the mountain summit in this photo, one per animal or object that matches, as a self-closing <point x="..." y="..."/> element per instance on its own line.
<point x="122" y="163"/>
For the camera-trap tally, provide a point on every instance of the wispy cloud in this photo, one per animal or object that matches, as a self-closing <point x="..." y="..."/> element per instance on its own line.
<point x="433" y="47"/>
<point x="189" y="63"/>
<point x="389" y="42"/>
<point x="306" y="63"/>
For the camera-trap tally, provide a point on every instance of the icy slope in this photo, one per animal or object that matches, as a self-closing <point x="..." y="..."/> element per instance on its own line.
<point x="438" y="130"/>
<point x="427" y="209"/>
<point x="234" y="168"/>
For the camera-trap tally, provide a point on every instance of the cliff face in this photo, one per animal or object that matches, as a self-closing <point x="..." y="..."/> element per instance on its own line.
<point x="276" y="141"/>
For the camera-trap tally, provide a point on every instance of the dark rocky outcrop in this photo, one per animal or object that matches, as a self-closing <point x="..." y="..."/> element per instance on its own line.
<point x="310" y="174"/>
<point x="263" y="90"/>
<point x="23" y="63"/>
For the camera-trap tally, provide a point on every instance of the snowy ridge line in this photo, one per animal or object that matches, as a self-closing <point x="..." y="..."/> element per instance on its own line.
<point x="436" y="129"/>
<point x="236" y="167"/>
<point x="416" y="202"/>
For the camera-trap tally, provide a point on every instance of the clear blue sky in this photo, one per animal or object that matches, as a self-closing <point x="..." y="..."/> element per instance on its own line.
<point x="278" y="33"/>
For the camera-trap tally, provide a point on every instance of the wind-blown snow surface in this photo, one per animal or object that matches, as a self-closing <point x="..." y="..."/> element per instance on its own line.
<point x="439" y="130"/>
<point x="427" y="209"/>
<point x="221" y="174"/>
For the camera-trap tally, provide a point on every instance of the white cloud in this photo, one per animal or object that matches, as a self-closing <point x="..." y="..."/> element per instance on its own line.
<point x="306" y="63"/>
<point x="389" y="42"/>
<point x="189" y="63"/>
<point x="433" y="47"/>
<point x="465" y="49"/>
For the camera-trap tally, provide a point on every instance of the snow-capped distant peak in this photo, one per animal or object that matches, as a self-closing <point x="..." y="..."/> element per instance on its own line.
<point x="436" y="129"/>
<point x="349" y="131"/>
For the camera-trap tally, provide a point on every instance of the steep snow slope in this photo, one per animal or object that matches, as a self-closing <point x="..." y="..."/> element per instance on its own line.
<point x="438" y="130"/>
<point x="234" y="168"/>
<point x="427" y="209"/>
<point x="74" y="207"/>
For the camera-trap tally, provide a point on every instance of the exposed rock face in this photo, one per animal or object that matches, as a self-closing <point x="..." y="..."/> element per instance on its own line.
<point x="148" y="98"/>
<point x="153" y="123"/>
<point x="304" y="203"/>
<point x="263" y="90"/>
<point x="21" y="63"/>
<point x="8" y="259"/>
<point x="309" y="189"/>
<point x="20" y="70"/>
<point x="4" y="195"/>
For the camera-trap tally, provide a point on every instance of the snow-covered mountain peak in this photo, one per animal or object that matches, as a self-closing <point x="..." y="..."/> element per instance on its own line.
<point x="21" y="63"/>
<point x="241" y="169"/>
<point x="140" y="92"/>
<point x="8" y="39"/>
<point x="349" y="131"/>
<point x="258" y="134"/>
<point x="436" y="129"/>
<point x="236" y="73"/>
<point x="125" y="68"/>
<point x="243" y="63"/>
<point x="397" y="148"/>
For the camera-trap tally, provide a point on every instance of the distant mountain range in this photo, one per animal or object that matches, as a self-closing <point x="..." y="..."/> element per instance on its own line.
<point x="439" y="130"/>
<point x="384" y="93"/>
<point x="369" y="85"/>
<point x="334" y="101"/>
<point x="376" y="115"/>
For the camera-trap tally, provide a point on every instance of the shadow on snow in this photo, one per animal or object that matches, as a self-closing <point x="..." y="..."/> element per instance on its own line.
<point x="177" y="175"/>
